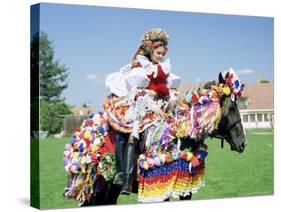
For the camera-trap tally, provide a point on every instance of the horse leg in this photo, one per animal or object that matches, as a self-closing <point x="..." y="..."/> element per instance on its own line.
<point x="106" y="196"/>
<point x="113" y="192"/>
<point x="188" y="197"/>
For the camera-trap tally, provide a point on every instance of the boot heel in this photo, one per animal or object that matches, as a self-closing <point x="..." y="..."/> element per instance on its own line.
<point x="119" y="179"/>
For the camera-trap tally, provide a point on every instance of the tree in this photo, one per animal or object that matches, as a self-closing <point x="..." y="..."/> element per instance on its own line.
<point x="51" y="115"/>
<point x="85" y="105"/>
<point x="264" y="81"/>
<point x="52" y="75"/>
<point x="48" y="80"/>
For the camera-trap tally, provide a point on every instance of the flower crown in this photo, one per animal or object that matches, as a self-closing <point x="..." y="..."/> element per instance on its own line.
<point x="152" y="35"/>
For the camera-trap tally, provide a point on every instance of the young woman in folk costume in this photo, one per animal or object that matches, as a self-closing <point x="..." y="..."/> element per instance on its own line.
<point x="139" y="95"/>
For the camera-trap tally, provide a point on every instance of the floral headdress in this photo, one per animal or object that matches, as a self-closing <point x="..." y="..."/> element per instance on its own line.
<point x="152" y="35"/>
<point x="234" y="82"/>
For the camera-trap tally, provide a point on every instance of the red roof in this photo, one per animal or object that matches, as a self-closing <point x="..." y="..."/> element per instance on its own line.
<point x="260" y="95"/>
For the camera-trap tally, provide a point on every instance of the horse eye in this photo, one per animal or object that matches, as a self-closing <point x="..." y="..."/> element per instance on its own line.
<point x="232" y="106"/>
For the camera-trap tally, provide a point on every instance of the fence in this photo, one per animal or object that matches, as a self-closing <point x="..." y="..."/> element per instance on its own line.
<point x="71" y="122"/>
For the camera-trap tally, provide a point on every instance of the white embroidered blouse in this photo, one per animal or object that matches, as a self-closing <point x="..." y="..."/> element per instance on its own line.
<point x="127" y="78"/>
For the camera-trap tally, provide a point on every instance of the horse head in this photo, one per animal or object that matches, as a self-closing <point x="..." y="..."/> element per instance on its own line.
<point x="230" y="126"/>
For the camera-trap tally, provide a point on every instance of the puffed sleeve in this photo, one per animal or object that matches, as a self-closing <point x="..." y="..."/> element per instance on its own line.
<point x="173" y="81"/>
<point x="137" y="78"/>
<point x="115" y="83"/>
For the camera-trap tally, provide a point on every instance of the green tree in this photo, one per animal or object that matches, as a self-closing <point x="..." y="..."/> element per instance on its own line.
<point x="51" y="115"/>
<point x="52" y="75"/>
<point x="48" y="81"/>
<point x="264" y="81"/>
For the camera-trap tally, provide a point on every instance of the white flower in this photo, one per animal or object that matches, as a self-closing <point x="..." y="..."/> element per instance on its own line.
<point x="142" y="157"/>
<point x="97" y="141"/>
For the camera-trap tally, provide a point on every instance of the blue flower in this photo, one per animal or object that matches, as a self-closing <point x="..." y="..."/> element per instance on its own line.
<point x="101" y="130"/>
<point x="91" y="116"/>
<point x="73" y="139"/>
<point x="242" y="87"/>
<point x="81" y="147"/>
<point x="203" y="154"/>
<point x="236" y="83"/>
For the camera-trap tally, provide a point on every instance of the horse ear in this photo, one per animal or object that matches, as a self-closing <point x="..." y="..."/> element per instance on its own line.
<point x="221" y="79"/>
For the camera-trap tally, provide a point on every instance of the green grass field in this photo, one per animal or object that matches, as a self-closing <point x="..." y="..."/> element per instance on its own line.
<point x="228" y="174"/>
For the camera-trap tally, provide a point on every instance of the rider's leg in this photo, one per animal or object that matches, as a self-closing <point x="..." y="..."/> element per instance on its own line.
<point x="130" y="163"/>
<point x="121" y="140"/>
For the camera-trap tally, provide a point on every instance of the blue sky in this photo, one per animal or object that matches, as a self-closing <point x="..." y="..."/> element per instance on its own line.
<point x="95" y="41"/>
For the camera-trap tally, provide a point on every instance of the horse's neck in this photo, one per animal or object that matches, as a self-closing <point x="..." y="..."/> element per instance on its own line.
<point x="204" y="118"/>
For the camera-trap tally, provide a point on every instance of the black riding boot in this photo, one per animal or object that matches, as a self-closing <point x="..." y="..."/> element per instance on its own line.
<point x="130" y="165"/>
<point x="120" y="144"/>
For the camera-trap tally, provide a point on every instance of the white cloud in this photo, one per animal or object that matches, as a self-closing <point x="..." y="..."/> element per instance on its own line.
<point x="91" y="77"/>
<point x="197" y="79"/>
<point x="245" y="71"/>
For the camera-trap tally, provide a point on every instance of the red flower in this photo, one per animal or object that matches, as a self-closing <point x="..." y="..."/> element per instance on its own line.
<point x="183" y="155"/>
<point x="89" y="122"/>
<point x="195" y="162"/>
<point x="194" y="98"/>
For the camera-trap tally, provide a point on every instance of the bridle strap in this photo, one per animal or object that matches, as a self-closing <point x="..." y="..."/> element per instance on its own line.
<point x="230" y="127"/>
<point x="215" y="133"/>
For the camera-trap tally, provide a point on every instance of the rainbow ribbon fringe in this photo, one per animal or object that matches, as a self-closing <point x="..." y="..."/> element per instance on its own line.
<point x="174" y="179"/>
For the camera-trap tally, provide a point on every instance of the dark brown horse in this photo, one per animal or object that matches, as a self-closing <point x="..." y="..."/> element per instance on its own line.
<point x="229" y="128"/>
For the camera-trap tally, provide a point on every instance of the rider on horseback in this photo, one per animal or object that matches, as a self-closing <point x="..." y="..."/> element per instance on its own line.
<point x="147" y="79"/>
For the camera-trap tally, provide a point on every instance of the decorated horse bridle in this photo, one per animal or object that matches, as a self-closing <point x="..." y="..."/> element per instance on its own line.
<point x="220" y="134"/>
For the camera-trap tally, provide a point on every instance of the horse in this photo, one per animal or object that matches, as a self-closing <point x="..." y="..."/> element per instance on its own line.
<point x="229" y="128"/>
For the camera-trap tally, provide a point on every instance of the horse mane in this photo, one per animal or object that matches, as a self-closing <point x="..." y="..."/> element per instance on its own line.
<point x="209" y="84"/>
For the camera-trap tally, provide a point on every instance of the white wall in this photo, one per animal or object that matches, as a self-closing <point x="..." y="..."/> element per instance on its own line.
<point x="257" y="118"/>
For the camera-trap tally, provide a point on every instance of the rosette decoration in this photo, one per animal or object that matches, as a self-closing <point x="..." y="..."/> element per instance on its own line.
<point x="89" y="155"/>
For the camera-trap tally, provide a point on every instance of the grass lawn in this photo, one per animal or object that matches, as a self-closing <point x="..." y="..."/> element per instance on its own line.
<point x="228" y="174"/>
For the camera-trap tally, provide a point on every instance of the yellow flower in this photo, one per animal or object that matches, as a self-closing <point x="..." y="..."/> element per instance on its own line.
<point x="168" y="158"/>
<point x="75" y="154"/>
<point x="226" y="90"/>
<point x="189" y="156"/>
<point x="145" y="165"/>
<point x="95" y="148"/>
<point x="83" y="169"/>
<point x="83" y="160"/>
<point x="87" y="134"/>
<point x="83" y="124"/>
